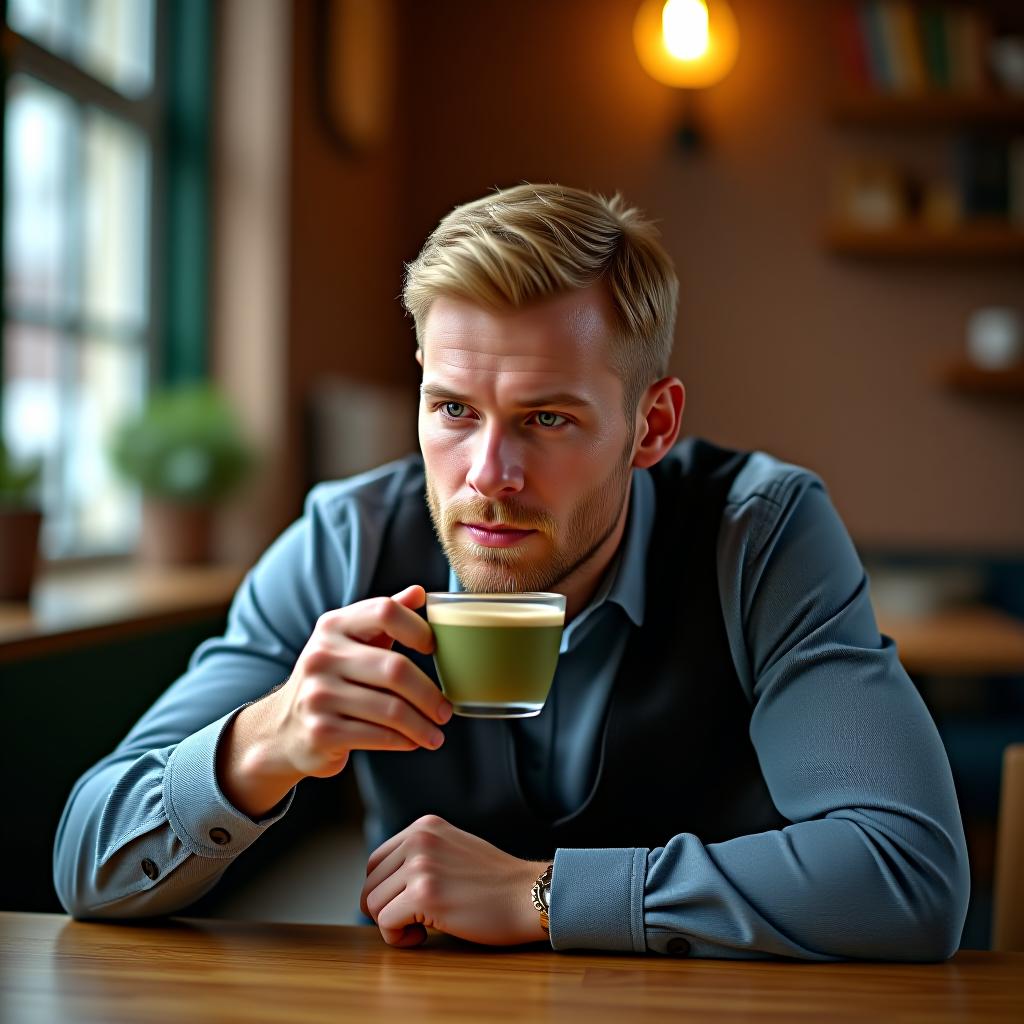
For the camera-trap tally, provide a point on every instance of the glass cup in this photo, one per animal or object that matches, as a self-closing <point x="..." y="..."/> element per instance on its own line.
<point x="496" y="653"/>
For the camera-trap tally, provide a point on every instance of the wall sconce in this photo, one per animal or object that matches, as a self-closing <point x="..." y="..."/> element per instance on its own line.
<point x="688" y="44"/>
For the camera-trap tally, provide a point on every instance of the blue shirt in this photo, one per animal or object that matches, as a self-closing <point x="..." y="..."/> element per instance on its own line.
<point x="147" y="830"/>
<point x="557" y="762"/>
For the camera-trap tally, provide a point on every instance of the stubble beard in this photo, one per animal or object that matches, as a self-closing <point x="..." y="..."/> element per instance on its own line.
<point x="481" y="569"/>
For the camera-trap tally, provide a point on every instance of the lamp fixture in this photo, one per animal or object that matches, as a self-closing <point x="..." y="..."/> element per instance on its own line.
<point x="687" y="44"/>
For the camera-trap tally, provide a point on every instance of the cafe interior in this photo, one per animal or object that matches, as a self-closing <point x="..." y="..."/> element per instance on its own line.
<point x="208" y="208"/>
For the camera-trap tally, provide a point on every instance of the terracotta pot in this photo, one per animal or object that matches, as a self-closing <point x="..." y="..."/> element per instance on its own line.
<point x="175" y="532"/>
<point x="19" y="550"/>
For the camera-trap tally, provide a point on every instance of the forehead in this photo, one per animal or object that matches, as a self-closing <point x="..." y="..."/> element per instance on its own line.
<point x="564" y="340"/>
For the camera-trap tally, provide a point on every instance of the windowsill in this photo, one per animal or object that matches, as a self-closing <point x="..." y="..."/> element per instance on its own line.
<point x="89" y="603"/>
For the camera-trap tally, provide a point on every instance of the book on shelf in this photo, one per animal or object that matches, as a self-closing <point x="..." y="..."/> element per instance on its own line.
<point x="910" y="48"/>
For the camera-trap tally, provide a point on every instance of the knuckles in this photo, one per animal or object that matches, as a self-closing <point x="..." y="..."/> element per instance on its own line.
<point x="383" y="609"/>
<point x="394" y="708"/>
<point x="318" y="657"/>
<point x="318" y="696"/>
<point x="429" y="823"/>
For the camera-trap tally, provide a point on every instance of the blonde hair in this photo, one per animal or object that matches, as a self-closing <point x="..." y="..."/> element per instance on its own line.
<point x="532" y="242"/>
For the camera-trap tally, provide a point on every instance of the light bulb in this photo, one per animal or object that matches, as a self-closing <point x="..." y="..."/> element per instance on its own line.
<point x="689" y="44"/>
<point x="684" y="25"/>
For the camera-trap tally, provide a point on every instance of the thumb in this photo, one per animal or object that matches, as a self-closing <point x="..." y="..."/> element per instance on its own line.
<point x="412" y="597"/>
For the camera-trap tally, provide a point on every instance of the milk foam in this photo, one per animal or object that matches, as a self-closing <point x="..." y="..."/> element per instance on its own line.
<point x="480" y="613"/>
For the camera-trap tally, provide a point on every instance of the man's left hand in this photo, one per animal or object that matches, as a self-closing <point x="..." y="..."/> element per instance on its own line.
<point x="433" y="875"/>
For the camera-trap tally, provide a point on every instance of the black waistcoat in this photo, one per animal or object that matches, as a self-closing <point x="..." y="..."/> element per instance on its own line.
<point x="675" y="750"/>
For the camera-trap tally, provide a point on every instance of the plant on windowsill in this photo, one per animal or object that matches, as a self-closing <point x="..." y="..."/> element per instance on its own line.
<point x="20" y="520"/>
<point x="186" y="452"/>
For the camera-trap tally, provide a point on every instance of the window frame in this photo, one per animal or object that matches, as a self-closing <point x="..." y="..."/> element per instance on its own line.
<point x="174" y="118"/>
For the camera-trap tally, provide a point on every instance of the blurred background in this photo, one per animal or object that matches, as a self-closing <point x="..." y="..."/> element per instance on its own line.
<point x="207" y="205"/>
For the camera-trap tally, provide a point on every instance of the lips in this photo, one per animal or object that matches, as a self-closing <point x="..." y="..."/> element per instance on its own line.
<point x="495" y="536"/>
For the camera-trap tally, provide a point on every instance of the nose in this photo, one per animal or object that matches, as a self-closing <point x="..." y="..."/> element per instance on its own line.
<point x="497" y="467"/>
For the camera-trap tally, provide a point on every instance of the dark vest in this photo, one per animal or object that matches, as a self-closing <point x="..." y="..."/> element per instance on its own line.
<point x="675" y="751"/>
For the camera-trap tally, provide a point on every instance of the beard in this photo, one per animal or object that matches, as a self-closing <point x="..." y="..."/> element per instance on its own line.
<point x="512" y="570"/>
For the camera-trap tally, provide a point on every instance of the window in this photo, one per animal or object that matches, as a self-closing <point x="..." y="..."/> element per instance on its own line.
<point x="91" y="146"/>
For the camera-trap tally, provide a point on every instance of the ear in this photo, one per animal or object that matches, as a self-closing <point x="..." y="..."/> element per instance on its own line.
<point x="659" y="417"/>
<point x="419" y="356"/>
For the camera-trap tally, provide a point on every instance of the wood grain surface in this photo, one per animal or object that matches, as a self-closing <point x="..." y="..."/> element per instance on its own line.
<point x="54" y="969"/>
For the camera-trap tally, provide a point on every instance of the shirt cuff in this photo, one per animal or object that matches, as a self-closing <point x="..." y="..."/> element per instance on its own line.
<point x="597" y="900"/>
<point x="202" y="817"/>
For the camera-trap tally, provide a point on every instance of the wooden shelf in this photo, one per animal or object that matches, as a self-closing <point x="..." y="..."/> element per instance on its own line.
<point x="925" y="110"/>
<point x="969" y="379"/>
<point x="982" y="240"/>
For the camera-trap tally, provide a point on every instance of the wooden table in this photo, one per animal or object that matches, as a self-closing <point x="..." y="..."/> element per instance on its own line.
<point x="54" y="969"/>
<point x="972" y="641"/>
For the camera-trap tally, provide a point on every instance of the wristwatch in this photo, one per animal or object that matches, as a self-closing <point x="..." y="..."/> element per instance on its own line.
<point x="541" y="894"/>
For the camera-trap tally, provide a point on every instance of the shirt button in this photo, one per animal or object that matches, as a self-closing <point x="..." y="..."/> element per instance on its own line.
<point x="221" y="836"/>
<point x="678" y="947"/>
<point x="149" y="869"/>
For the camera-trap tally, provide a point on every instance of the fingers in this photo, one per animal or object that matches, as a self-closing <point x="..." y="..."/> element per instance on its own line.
<point x="389" y="671"/>
<point x="420" y="825"/>
<point x="362" y="705"/>
<point x="397" y="922"/>
<point x="407" y="937"/>
<point x="393" y="617"/>
<point x="380" y="889"/>
<point x="384" y="870"/>
<point x="352" y="734"/>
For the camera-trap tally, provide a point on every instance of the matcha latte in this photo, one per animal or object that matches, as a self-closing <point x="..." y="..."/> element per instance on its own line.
<point x="496" y="653"/>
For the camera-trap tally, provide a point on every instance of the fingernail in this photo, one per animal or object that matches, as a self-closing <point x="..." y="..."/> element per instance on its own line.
<point x="444" y="712"/>
<point x="436" y="738"/>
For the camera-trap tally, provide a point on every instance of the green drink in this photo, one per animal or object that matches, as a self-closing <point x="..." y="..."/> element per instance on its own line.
<point x="496" y="653"/>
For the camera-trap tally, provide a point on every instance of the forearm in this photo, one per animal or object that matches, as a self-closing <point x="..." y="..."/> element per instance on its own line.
<point x="149" y="833"/>
<point x="856" y="884"/>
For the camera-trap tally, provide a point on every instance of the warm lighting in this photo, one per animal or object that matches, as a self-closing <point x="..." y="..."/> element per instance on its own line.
<point x="684" y="24"/>
<point x="689" y="44"/>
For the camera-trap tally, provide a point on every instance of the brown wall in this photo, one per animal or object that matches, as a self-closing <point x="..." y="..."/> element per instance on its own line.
<point x="782" y="346"/>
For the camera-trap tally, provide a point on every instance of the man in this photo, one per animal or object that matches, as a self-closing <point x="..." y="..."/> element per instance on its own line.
<point x="731" y="762"/>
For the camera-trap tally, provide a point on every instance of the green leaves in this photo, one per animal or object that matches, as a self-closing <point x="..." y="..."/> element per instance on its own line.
<point x="18" y="480"/>
<point x="186" y="446"/>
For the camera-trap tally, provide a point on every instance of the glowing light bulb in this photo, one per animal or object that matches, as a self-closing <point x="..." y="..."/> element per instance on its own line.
<point x="684" y="25"/>
<point x="690" y="44"/>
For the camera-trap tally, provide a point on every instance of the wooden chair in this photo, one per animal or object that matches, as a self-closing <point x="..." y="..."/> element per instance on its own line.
<point x="1008" y="892"/>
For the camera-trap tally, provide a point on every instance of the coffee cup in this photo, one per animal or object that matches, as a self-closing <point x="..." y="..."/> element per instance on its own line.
<point x="496" y="654"/>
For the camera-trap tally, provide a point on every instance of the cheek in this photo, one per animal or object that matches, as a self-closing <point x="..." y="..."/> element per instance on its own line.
<point x="441" y="455"/>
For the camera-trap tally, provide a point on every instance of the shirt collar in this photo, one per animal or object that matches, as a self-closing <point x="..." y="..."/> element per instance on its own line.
<point x="624" y="582"/>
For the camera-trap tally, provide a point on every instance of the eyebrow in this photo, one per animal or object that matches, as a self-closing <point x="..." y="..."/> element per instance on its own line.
<point x="561" y="399"/>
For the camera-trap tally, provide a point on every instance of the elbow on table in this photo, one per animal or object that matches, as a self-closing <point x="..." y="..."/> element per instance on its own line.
<point x="926" y="930"/>
<point x="85" y="898"/>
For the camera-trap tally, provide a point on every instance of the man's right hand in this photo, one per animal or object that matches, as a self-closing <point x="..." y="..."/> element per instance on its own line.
<point x="348" y="691"/>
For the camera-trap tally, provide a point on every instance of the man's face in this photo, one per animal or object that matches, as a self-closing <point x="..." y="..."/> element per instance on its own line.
<point x="526" y="448"/>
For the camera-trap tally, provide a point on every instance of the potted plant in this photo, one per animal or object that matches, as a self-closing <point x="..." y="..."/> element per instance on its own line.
<point x="20" y="519"/>
<point x="186" y="452"/>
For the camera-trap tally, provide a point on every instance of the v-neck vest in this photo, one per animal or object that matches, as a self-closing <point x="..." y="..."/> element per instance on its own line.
<point x="675" y="753"/>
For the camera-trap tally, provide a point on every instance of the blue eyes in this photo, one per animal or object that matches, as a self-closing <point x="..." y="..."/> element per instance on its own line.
<point x="458" y="411"/>
<point x="547" y="419"/>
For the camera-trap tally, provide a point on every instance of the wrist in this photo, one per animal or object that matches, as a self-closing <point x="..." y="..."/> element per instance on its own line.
<point x="250" y="770"/>
<point x="535" y="921"/>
